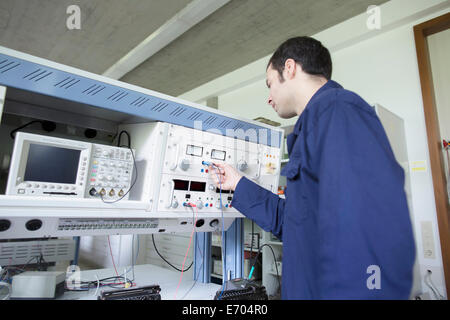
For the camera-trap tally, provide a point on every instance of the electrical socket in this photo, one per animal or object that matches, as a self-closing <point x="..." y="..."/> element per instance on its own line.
<point x="427" y="239"/>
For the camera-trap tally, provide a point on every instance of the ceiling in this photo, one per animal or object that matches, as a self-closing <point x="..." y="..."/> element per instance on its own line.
<point x="239" y="32"/>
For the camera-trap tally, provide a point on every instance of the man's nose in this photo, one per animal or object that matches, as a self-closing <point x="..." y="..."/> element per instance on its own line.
<point x="270" y="101"/>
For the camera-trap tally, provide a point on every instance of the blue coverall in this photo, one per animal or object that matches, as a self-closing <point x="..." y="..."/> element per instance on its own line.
<point x="344" y="222"/>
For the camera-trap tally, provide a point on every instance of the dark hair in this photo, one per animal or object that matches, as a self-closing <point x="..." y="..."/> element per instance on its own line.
<point x="309" y="53"/>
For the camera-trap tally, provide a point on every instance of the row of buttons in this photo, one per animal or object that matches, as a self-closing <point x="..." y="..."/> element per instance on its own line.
<point x="106" y="226"/>
<point x="113" y="153"/>
<point x="110" y="174"/>
<point x="119" y="164"/>
<point x="51" y="186"/>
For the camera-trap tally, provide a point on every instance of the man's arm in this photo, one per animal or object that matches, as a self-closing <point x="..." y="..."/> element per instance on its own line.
<point x="252" y="200"/>
<point x="260" y="205"/>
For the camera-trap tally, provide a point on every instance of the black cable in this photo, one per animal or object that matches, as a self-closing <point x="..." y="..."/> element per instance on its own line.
<point x="274" y="258"/>
<point x="21" y="127"/>
<point x="48" y="126"/>
<point x="86" y="285"/>
<point x="202" y="257"/>
<point x="153" y="240"/>
<point x="251" y="245"/>
<point x="120" y="135"/>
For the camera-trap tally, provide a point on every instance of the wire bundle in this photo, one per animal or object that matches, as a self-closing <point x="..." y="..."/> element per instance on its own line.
<point x="431" y="285"/>
<point x="112" y="282"/>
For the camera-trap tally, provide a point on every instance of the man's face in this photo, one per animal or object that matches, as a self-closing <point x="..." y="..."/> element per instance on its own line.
<point x="280" y="94"/>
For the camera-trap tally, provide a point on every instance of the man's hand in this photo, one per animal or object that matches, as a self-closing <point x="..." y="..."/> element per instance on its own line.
<point x="229" y="177"/>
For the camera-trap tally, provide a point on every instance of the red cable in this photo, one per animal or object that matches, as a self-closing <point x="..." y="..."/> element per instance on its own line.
<point x="112" y="258"/>
<point x="189" y="246"/>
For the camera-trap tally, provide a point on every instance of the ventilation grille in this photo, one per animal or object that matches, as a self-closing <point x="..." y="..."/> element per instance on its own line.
<point x="7" y="65"/>
<point x="118" y="95"/>
<point x="67" y="83"/>
<point x="94" y="89"/>
<point x="160" y="106"/>
<point x="195" y="116"/>
<point x="210" y="120"/>
<point x="37" y="75"/>
<point x="177" y="112"/>
<point x="139" y="102"/>
<point x="23" y="252"/>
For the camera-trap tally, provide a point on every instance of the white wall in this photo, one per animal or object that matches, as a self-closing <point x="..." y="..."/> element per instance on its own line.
<point x="381" y="66"/>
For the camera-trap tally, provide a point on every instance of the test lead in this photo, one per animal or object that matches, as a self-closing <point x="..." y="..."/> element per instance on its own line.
<point x="209" y="164"/>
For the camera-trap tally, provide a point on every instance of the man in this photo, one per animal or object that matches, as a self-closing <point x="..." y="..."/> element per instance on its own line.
<point x="344" y="222"/>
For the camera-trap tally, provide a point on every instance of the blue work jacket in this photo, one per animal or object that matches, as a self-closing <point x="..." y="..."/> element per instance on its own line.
<point x="344" y="222"/>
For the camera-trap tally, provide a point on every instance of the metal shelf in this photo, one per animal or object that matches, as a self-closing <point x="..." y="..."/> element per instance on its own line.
<point x="90" y="92"/>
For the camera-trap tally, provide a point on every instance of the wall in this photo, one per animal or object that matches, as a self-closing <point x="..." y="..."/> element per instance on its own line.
<point x="381" y="66"/>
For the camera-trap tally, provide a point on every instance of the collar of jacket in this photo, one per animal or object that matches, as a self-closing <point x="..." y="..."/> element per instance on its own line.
<point x="329" y="85"/>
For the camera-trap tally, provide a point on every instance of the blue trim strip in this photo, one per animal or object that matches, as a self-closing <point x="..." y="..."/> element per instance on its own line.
<point x="234" y="248"/>
<point x="202" y="257"/>
<point x="26" y="75"/>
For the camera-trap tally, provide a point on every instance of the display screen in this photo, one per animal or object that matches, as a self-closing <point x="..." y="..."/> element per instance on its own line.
<point x="181" y="185"/>
<point x="218" y="155"/>
<point x="197" y="186"/>
<point x="194" y="150"/>
<point x="52" y="164"/>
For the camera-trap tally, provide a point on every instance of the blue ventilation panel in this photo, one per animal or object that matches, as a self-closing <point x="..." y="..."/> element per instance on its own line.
<point x="36" y="77"/>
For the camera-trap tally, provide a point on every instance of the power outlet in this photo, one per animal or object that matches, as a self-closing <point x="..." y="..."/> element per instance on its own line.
<point x="427" y="240"/>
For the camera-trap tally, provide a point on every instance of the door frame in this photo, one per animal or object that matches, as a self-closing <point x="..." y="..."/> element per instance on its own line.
<point x="421" y="33"/>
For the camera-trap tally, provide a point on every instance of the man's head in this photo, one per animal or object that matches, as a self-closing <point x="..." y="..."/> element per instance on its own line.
<point x="294" y="71"/>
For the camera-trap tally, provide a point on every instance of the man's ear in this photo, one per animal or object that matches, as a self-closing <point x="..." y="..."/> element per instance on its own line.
<point x="290" y="68"/>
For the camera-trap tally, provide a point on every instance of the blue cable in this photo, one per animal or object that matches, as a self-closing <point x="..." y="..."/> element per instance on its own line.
<point x="223" y="241"/>
<point x="206" y="163"/>
<point x="135" y="258"/>
<point x="251" y="273"/>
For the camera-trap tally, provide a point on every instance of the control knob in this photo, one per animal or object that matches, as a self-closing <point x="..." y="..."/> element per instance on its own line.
<point x="199" y="204"/>
<point x="242" y="165"/>
<point x="184" y="164"/>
